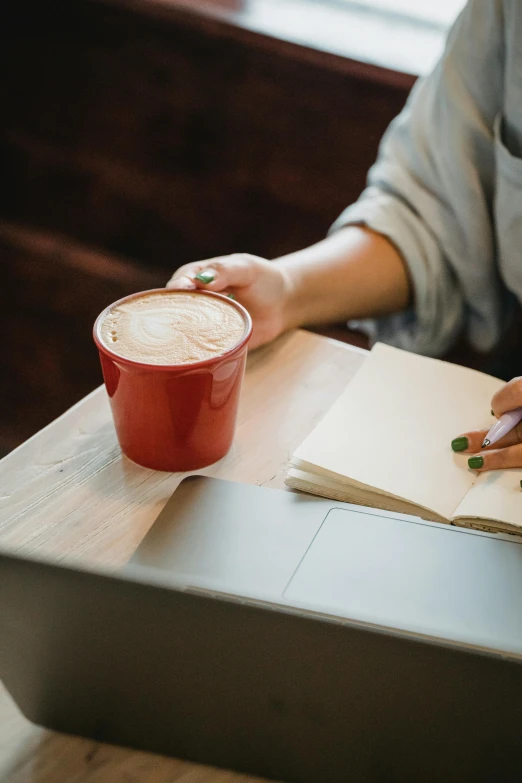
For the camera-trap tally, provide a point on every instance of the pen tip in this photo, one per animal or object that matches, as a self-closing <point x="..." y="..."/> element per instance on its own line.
<point x="486" y="443"/>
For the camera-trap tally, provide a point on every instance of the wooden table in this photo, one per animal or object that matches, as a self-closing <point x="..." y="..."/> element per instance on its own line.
<point x="68" y="493"/>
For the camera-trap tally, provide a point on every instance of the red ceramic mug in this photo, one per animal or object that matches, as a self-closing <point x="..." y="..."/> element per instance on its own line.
<point x="174" y="417"/>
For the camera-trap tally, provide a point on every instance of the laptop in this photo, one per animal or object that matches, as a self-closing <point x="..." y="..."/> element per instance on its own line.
<point x="281" y="635"/>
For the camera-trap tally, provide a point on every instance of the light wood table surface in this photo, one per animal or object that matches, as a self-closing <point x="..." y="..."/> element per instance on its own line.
<point x="68" y="493"/>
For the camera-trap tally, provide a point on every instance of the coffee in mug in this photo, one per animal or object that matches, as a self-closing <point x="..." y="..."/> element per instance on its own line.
<point x="173" y="364"/>
<point x="172" y="328"/>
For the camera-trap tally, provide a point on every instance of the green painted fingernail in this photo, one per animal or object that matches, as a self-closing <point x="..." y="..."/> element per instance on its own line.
<point x="492" y="412"/>
<point x="459" y="444"/>
<point x="476" y="462"/>
<point x="231" y="296"/>
<point x="205" y="277"/>
<point x="520" y="483"/>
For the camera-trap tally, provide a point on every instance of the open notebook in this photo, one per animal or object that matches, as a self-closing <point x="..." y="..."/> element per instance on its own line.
<point x="386" y="443"/>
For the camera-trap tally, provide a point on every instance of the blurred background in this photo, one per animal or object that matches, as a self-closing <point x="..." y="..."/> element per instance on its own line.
<point x="138" y="135"/>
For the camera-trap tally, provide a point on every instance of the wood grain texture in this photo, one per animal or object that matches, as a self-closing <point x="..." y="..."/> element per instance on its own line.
<point x="69" y="494"/>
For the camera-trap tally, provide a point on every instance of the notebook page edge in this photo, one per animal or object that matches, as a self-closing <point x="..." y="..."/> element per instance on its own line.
<point x="306" y="482"/>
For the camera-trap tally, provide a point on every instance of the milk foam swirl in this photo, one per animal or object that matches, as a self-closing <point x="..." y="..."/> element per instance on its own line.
<point x="172" y="327"/>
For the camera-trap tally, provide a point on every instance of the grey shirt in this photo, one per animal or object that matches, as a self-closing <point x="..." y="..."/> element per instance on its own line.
<point x="447" y="187"/>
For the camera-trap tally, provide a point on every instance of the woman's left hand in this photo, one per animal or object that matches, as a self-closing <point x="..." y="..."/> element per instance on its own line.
<point x="506" y="452"/>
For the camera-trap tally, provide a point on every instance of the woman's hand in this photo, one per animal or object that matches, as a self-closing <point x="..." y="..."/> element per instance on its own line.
<point x="261" y="286"/>
<point x="353" y="273"/>
<point x="506" y="452"/>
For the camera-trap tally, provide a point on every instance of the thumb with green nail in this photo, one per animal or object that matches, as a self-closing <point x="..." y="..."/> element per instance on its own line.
<point x="506" y="452"/>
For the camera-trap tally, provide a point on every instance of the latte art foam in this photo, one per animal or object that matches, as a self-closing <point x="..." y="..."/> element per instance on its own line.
<point x="176" y="327"/>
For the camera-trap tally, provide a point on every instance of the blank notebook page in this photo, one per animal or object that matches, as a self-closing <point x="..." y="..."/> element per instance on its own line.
<point x="392" y="427"/>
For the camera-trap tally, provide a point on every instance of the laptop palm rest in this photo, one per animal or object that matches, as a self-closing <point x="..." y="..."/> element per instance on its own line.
<point x="236" y="538"/>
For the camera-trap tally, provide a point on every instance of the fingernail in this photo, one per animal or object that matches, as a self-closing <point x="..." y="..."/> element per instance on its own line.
<point x="205" y="277"/>
<point x="231" y="296"/>
<point x="492" y="412"/>
<point x="476" y="462"/>
<point x="182" y="284"/>
<point x="520" y="483"/>
<point x="459" y="444"/>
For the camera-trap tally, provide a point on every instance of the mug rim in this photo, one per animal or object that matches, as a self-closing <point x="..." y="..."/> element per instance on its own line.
<point x="187" y="366"/>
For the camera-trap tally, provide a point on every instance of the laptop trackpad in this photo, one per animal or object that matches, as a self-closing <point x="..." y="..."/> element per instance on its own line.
<point x="414" y="576"/>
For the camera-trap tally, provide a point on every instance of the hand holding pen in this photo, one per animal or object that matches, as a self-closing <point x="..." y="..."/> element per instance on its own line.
<point x="500" y="446"/>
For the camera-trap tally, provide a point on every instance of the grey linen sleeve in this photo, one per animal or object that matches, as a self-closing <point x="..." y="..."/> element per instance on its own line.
<point x="431" y="191"/>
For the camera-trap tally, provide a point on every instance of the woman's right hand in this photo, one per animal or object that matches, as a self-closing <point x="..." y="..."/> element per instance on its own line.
<point x="506" y="452"/>
<point x="261" y="286"/>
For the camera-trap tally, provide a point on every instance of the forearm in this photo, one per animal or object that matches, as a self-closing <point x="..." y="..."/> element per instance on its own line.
<point x="354" y="273"/>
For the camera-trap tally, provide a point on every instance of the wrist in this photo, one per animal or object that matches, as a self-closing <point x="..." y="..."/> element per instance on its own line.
<point x="290" y="317"/>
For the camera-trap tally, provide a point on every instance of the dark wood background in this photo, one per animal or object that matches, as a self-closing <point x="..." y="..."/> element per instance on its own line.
<point x="132" y="142"/>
